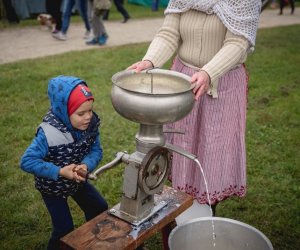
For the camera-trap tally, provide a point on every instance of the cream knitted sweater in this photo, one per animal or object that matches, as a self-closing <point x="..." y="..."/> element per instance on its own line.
<point x="201" y="41"/>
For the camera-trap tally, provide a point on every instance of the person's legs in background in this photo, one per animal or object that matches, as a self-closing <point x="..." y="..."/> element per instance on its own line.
<point x="292" y="3"/>
<point x="67" y="12"/>
<point x="53" y="7"/>
<point x="90" y="16"/>
<point x="95" y="22"/>
<point x="10" y="12"/>
<point x="122" y="10"/>
<point x="66" y="16"/>
<point x="155" y="5"/>
<point x="281" y="5"/>
<point x="106" y="15"/>
<point x="99" y="31"/>
<point x="82" y="7"/>
<point x="103" y="34"/>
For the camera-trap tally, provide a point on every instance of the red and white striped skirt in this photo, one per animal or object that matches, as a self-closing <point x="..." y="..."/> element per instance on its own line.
<point x="215" y="133"/>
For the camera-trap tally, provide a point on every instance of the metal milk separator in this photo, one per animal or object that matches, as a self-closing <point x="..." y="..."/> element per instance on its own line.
<point x="151" y="98"/>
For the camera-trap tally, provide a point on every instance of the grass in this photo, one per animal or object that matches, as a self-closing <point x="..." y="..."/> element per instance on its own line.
<point x="273" y="131"/>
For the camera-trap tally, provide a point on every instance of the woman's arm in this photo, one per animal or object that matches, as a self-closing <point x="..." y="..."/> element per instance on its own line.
<point x="232" y="53"/>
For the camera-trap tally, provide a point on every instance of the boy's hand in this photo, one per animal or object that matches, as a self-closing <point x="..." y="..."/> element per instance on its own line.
<point x="69" y="172"/>
<point x="80" y="172"/>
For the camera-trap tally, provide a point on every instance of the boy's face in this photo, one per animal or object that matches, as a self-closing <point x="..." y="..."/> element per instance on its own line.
<point x="81" y="118"/>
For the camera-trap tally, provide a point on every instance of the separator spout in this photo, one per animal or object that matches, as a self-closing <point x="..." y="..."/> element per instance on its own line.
<point x="180" y="151"/>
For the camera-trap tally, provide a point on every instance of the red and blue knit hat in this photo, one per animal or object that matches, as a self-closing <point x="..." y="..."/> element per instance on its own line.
<point x="80" y="94"/>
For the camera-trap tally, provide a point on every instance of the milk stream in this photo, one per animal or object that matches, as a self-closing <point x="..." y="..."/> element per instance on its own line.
<point x="209" y="203"/>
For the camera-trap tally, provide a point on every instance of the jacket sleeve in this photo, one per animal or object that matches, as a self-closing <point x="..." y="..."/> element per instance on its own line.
<point x="33" y="159"/>
<point x="93" y="158"/>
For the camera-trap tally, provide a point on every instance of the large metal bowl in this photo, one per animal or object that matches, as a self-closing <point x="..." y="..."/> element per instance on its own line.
<point x="152" y="97"/>
<point x="197" y="234"/>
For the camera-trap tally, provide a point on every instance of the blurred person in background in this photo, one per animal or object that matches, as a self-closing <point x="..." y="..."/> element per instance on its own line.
<point x="11" y="15"/>
<point x="283" y="3"/>
<point x="120" y="7"/>
<point x="81" y="5"/>
<point x="53" y="7"/>
<point x="97" y="9"/>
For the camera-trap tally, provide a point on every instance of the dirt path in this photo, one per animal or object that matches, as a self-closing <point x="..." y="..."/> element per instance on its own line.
<point x="32" y="42"/>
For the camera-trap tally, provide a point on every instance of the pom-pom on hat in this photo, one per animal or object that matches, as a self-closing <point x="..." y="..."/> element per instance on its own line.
<point x="80" y="94"/>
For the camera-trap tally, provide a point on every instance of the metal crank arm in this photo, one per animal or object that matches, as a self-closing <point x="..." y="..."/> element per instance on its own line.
<point x="120" y="157"/>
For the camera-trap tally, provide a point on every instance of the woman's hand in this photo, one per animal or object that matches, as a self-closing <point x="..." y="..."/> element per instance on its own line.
<point x="141" y="65"/>
<point x="201" y="80"/>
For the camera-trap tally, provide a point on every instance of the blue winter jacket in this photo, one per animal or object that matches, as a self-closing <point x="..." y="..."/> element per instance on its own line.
<point x="40" y="158"/>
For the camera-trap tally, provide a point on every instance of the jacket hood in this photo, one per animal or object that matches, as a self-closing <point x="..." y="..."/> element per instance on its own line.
<point x="59" y="90"/>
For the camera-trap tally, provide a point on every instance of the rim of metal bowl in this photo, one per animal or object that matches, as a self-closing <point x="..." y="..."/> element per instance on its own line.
<point x="165" y="72"/>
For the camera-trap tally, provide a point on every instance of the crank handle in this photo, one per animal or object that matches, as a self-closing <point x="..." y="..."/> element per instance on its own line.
<point x="83" y="173"/>
<point x="120" y="156"/>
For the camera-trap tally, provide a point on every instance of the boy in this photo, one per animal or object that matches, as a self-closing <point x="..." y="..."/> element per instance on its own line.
<point x="66" y="141"/>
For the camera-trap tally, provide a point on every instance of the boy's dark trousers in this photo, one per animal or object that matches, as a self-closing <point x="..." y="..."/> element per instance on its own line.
<point x="88" y="199"/>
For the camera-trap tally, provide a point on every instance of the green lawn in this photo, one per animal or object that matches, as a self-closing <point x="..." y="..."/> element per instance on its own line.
<point x="273" y="132"/>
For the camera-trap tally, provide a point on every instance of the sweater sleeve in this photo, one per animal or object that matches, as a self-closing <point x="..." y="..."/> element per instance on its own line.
<point x="33" y="159"/>
<point x="94" y="157"/>
<point x="165" y="42"/>
<point x="233" y="52"/>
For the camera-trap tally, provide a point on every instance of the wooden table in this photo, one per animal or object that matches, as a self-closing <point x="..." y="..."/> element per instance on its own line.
<point x="109" y="232"/>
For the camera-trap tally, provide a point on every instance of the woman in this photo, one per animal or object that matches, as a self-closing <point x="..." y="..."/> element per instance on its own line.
<point x="212" y="39"/>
